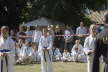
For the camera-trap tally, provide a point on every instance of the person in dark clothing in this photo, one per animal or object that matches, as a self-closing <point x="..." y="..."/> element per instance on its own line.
<point x="59" y="40"/>
<point x="101" y="49"/>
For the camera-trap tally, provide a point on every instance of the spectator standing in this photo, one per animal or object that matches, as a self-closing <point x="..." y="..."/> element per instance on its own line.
<point x="81" y="32"/>
<point x="68" y="38"/>
<point x="36" y="35"/>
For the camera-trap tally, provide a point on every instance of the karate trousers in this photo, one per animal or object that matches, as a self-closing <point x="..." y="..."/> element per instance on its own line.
<point x="46" y="62"/>
<point x="6" y="64"/>
<point x="89" y="62"/>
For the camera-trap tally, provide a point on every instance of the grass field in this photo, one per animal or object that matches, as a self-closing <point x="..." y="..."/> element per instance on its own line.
<point x="57" y="66"/>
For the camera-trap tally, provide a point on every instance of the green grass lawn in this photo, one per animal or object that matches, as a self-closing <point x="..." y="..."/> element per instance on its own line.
<point x="57" y="66"/>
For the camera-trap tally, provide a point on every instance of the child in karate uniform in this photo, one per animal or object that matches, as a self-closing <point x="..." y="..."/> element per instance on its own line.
<point x="77" y="52"/>
<point x="56" y="54"/>
<point x="35" y="53"/>
<point x="66" y="56"/>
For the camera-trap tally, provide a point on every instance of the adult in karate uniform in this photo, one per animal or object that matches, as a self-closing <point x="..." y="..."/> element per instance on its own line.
<point x="89" y="46"/>
<point x="45" y="50"/>
<point x="6" y="45"/>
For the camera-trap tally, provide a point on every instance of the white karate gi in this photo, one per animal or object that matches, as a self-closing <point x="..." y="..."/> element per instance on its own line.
<point x="57" y="55"/>
<point x="89" y="45"/>
<point x="46" y="56"/>
<point x="21" y="52"/>
<point x="66" y="56"/>
<point x="35" y="55"/>
<point x="78" y="55"/>
<point x="7" y="62"/>
<point x="24" y="54"/>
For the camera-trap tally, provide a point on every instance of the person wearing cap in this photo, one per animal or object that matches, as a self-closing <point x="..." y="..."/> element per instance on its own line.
<point x="7" y="51"/>
<point x="101" y="49"/>
<point x="45" y="52"/>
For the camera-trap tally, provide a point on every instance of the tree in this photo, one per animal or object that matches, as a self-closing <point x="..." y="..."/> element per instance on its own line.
<point x="67" y="11"/>
<point x="7" y="12"/>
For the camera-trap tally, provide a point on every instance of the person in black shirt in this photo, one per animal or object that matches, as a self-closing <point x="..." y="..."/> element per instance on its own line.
<point x="101" y="49"/>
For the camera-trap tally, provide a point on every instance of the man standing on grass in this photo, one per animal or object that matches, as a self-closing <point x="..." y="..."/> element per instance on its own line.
<point x="7" y="46"/>
<point x="45" y="50"/>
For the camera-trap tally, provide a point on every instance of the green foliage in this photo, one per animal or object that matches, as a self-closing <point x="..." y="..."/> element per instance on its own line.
<point x="86" y="20"/>
<point x="67" y="11"/>
<point x="94" y="4"/>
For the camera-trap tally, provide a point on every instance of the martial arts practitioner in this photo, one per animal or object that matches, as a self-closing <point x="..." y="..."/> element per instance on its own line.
<point x="101" y="49"/>
<point x="66" y="56"/>
<point x="45" y="50"/>
<point x="77" y="52"/>
<point x="25" y="54"/>
<point x="20" y="50"/>
<point x="56" y="54"/>
<point x="89" y="46"/>
<point x="35" y="53"/>
<point x="7" y="48"/>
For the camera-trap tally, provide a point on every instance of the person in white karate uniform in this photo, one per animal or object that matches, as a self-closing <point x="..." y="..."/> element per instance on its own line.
<point x="77" y="52"/>
<point x="89" y="46"/>
<point x="56" y="54"/>
<point x="7" y="51"/>
<point x="45" y="52"/>
<point x="20" y="51"/>
<point x="35" y="53"/>
<point x="66" y="56"/>
<point x="25" y="55"/>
